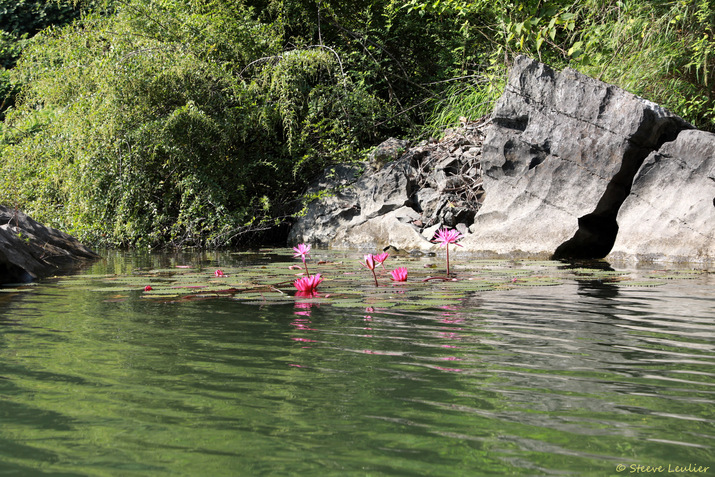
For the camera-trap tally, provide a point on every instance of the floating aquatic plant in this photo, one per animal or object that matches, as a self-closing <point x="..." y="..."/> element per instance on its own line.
<point x="445" y="237"/>
<point x="380" y="259"/>
<point x="640" y="283"/>
<point x="264" y="279"/>
<point x="308" y="284"/>
<point x="302" y="251"/>
<point x="370" y="264"/>
<point x="676" y="274"/>
<point x="399" y="274"/>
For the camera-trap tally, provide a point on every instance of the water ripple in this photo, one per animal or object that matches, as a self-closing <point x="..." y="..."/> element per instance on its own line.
<point x="563" y="380"/>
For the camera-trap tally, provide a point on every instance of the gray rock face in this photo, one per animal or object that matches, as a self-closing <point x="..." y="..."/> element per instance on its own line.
<point x="570" y="167"/>
<point x="402" y="192"/>
<point x="29" y="250"/>
<point x="388" y="151"/>
<point x="559" y="160"/>
<point x="670" y="212"/>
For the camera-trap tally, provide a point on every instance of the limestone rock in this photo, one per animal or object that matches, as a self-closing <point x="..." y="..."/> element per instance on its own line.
<point x="433" y="183"/>
<point x="566" y="167"/>
<point x="382" y="231"/>
<point x="335" y="206"/>
<point x="670" y="212"/>
<point x="559" y="159"/>
<point x="30" y="250"/>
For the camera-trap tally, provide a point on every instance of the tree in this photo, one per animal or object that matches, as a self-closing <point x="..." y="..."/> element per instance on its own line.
<point x="176" y="123"/>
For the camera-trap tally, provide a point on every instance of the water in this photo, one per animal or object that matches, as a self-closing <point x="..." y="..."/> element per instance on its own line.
<point x="575" y="379"/>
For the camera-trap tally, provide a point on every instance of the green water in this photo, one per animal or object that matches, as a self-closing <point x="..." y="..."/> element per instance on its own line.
<point x="573" y="379"/>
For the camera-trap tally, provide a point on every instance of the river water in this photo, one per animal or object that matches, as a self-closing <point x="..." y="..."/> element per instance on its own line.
<point x="583" y="378"/>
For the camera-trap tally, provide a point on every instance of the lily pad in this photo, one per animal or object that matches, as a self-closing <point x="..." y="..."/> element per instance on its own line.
<point x="677" y="274"/>
<point x="536" y="282"/>
<point x="266" y="277"/>
<point x="641" y="283"/>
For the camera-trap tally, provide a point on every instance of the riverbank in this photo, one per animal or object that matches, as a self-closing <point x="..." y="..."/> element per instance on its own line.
<point x="565" y="167"/>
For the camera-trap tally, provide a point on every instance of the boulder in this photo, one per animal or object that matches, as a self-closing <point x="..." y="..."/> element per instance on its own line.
<point x="30" y="250"/>
<point x="566" y="167"/>
<point x="401" y="191"/>
<point x="382" y="231"/>
<point x="558" y="161"/>
<point x="334" y="205"/>
<point x="345" y="200"/>
<point x="669" y="214"/>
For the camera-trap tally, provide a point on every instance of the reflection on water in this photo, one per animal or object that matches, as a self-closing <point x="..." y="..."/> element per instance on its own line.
<point x="573" y="379"/>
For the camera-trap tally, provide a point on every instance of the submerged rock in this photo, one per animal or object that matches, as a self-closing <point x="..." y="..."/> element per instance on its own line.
<point x="30" y="250"/>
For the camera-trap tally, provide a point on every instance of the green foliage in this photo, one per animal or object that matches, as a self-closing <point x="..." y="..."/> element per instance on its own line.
<point x="20" y="20"/>
<point x="662" y="50"/>
<point x="460" y="101"/>
<point x="197" y="121"/>
<point x="172" y="123"/>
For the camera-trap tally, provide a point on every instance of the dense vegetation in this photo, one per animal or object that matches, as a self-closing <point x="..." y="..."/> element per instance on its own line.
<point x="199" y="122"/>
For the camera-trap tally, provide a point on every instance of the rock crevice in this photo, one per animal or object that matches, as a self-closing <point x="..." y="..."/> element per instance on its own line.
<point x="593" y="138"/>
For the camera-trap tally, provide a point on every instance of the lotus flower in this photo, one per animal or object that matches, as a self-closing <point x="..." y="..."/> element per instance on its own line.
<point x="399" y="274"/>
<point x="309" y="283"/>
<point x="445" y="237"/>
<point x="148" y="288"/>
<point x="380" y="258"/>
<point x="302" y="251"/>
<point x="219" y="273"/>
<point x="370" y="264"/>
<point x="305" y="294"/>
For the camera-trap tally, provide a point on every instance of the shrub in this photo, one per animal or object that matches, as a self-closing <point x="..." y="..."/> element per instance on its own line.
<point x="173" y="124"/>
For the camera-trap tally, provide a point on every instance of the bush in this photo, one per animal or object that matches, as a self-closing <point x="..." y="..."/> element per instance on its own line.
<point x="170" y="124"/>
<point x="661" y="50"/>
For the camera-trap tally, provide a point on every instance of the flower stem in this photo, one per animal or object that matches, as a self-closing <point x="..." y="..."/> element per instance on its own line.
<point x="447" y="247"/>
<point x="306" y="267"/>
<point x="374" y="276"/>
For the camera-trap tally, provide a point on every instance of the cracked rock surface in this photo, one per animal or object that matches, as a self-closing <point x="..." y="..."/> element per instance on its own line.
<point x="566" y="167"/>
<point x="560" y="159"/>
<point x="670" y="212"/>
<point x="399" y="196"/>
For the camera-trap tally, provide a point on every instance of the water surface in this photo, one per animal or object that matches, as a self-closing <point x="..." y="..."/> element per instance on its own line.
<point x="574" y="379"/>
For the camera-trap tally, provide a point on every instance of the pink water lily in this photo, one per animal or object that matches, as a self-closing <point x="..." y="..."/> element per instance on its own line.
<point x="380" y="258"/>
<point x="370" y="264"/>
<point x="399" y="274"/>
<point x="148" y="288"/>
<point x="219" y="273"/>
<point x="445" y="237"/>
<point x="309" y="283"/>
<point x="302" y="251"/>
